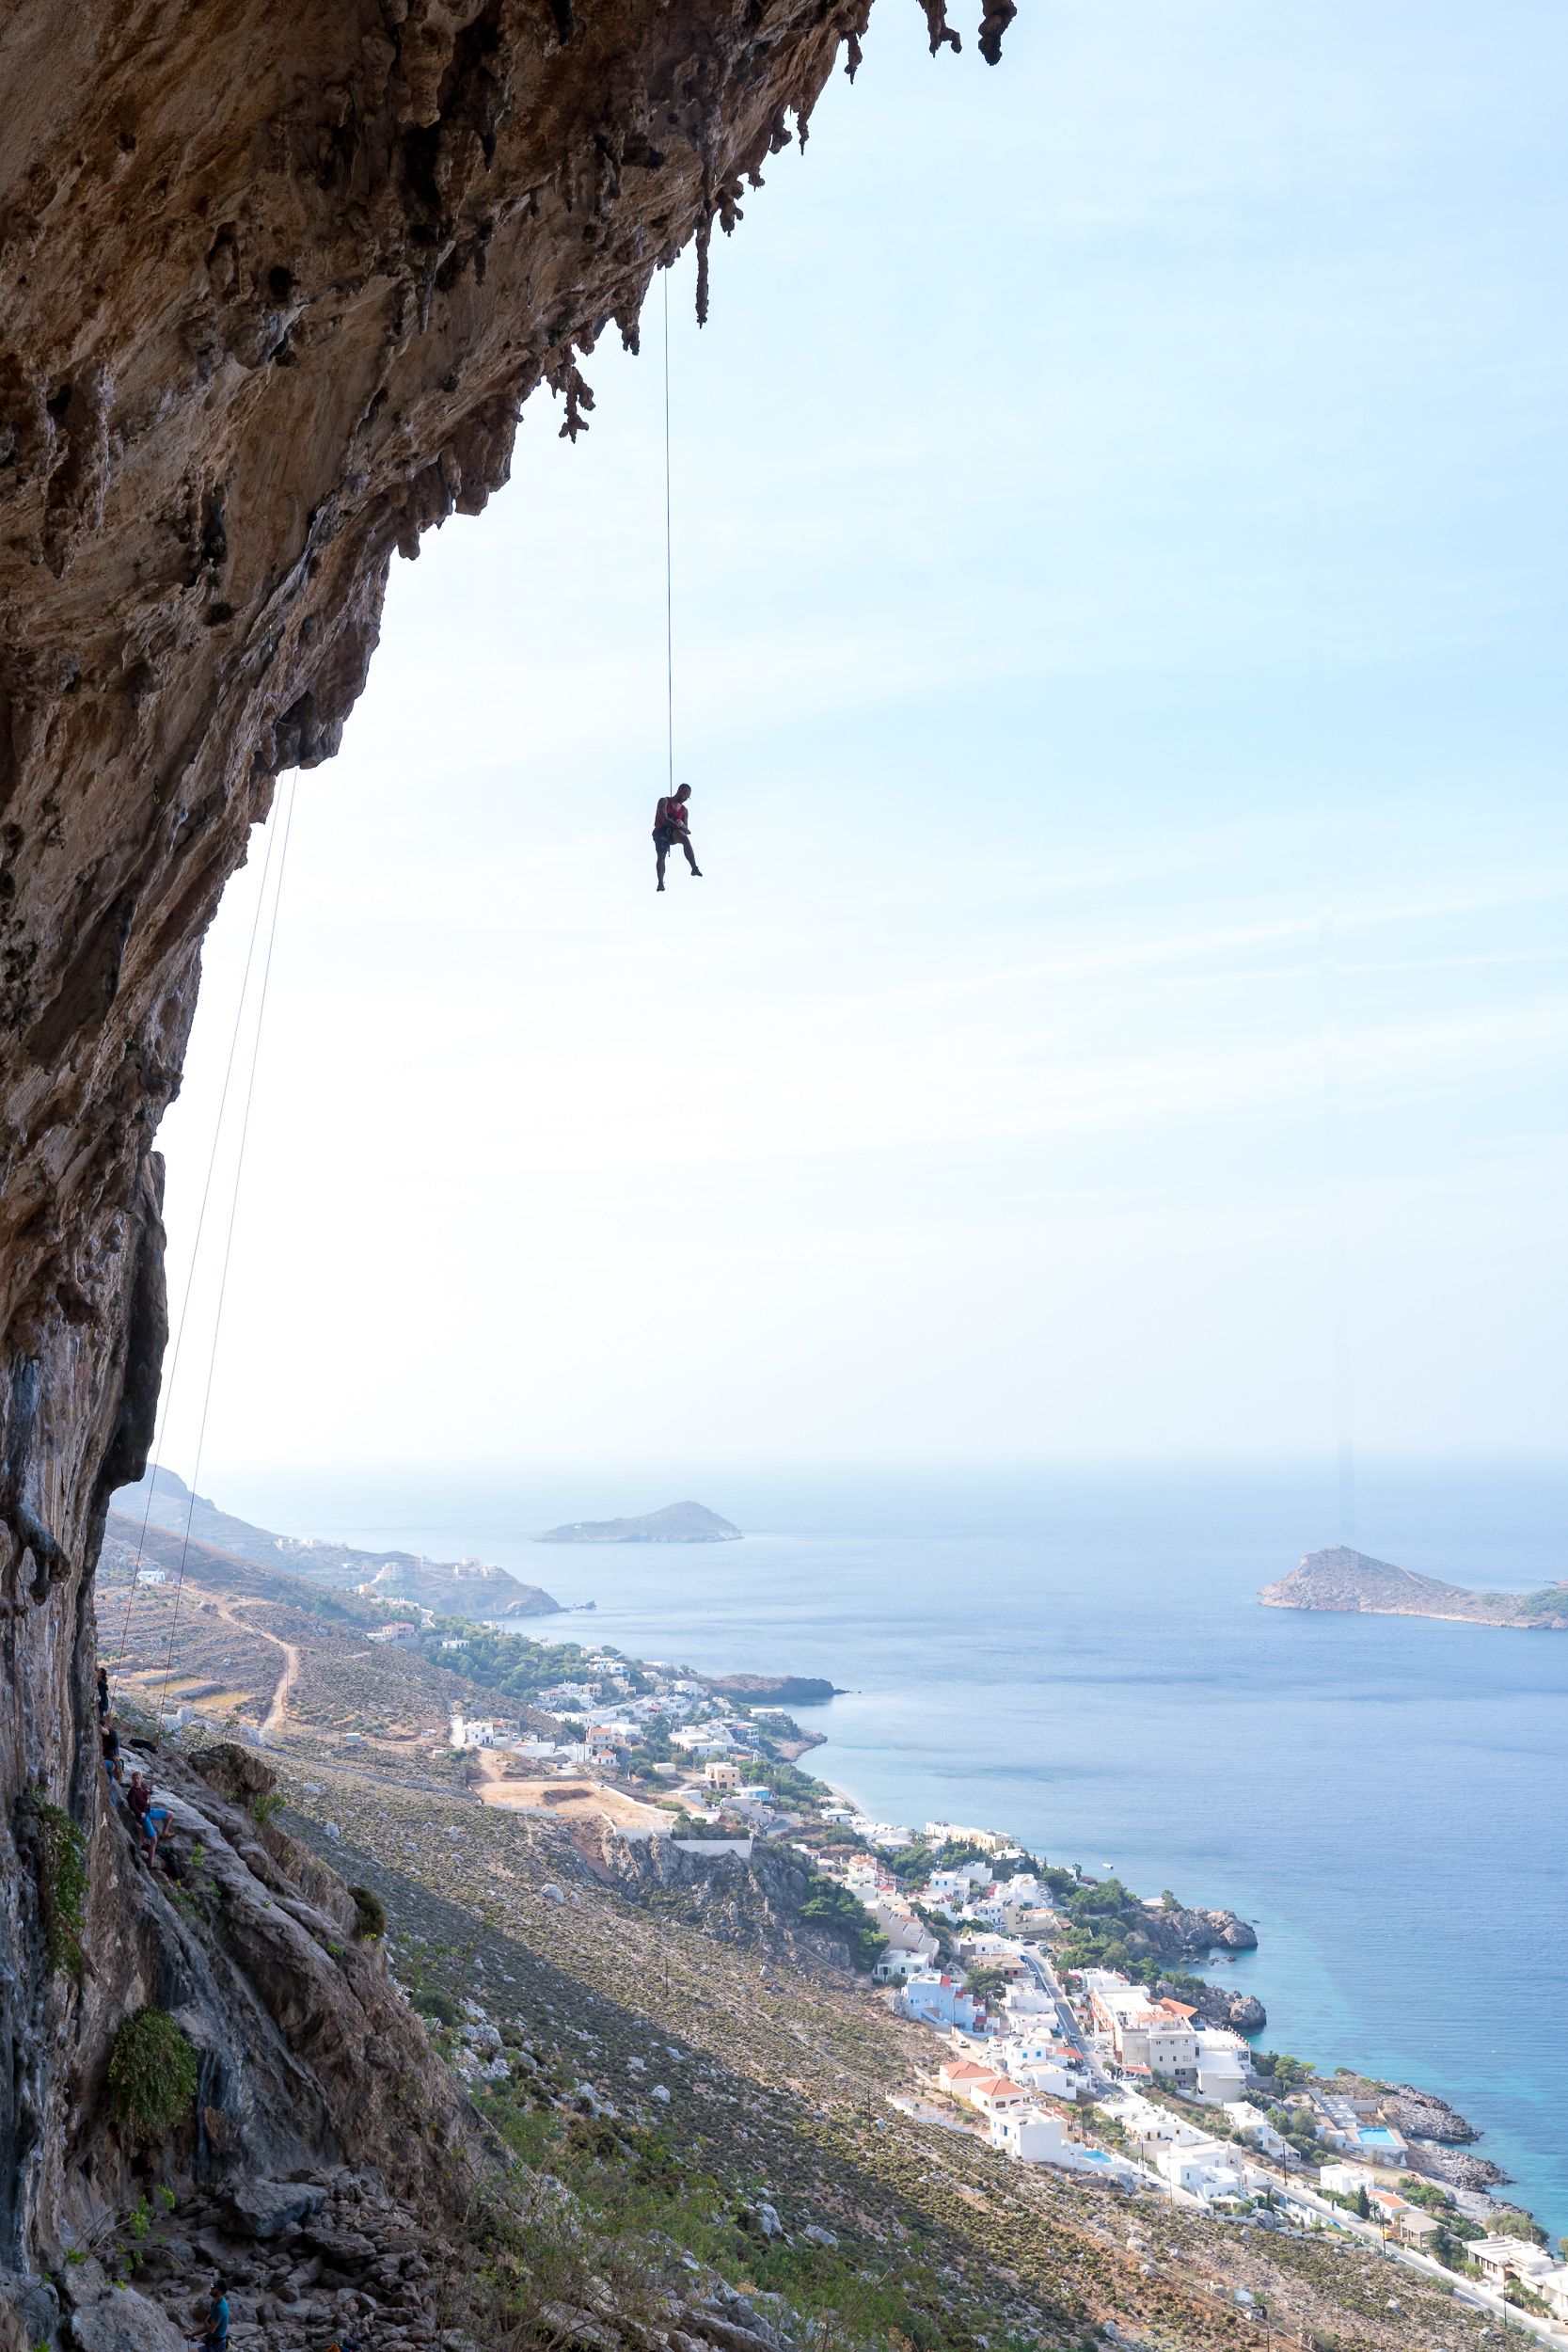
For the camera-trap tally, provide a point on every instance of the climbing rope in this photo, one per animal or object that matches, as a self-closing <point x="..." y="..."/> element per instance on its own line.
<point x="228" y="1245"/>
<point x="668" y="593"/>
<point x="195" y="1251"/>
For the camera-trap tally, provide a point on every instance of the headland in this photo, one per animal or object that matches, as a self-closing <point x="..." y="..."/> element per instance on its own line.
<point x="1350" y="1582"/>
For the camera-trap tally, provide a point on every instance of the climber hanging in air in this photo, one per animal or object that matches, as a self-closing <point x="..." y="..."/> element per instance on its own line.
<point x="671" y="830"/>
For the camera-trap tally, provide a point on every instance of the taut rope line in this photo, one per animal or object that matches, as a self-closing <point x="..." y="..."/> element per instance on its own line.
<point x="669" y="593"/>
<point x="229" y="1243"/>
<point x="168" y="1398"/>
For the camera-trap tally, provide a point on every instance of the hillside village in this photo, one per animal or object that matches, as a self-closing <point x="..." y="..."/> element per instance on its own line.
<point x="1023" y="2016"/>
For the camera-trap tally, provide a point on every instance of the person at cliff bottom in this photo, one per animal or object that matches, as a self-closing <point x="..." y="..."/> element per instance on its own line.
<point x="214" y="2335"/>
<point x="671" y="830"/>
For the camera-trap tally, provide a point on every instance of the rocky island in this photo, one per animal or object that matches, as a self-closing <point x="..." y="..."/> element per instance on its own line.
<point x="678" y="1523"/>
<point x="1348" y="1581"/>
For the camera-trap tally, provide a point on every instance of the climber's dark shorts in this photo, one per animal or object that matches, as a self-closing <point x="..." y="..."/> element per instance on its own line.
<point x="668" y="837"/>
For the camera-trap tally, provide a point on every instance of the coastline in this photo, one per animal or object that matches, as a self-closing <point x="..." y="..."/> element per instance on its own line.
<point x="1012" y="1655"/>
<point x="1446" y="2140"/>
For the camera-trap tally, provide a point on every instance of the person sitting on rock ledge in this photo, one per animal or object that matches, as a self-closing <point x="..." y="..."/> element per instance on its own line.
<point x="671" y="830"/>
<point x="137" y="1798"/>
<point x="215" y="2335"/>
<point x="149" y="1819"/>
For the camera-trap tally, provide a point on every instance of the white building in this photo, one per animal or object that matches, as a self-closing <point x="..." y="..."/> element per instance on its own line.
<point x="953" y="1833"/>
<point x="1500" y="2259"/>
<point x="1205" y="2167"/>
<point x="1552" y="2286"/>
<point x="896" y="1967"/>
<point x="1029" y="2000"/>
<point x="1254" y="2125"/>
<point x="151" y="1576"/>
<point x="1224" y="2063"/>
<point x="1029" y="2134"/>
<point x="1032" y="2135"/>
<point x="1343" y="2179"/>
<point x="904" y="1933"/>
<point x="998" y="2095"/>
<point x="702" y="1740"/>
<point x="481" y="1731"/>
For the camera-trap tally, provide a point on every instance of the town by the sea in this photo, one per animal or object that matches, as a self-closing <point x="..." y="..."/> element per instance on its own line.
<point x="1080" y="1659"/>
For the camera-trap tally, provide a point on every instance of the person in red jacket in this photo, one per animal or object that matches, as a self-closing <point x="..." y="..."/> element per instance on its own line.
<point x="671" y="830"/>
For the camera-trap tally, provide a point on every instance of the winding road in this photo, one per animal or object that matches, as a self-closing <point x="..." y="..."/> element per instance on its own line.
<point x="277" y="1712"/>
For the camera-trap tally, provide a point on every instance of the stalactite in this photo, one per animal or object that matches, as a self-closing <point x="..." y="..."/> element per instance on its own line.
<point x="998" y="16"/>
<point x="938" y="27"/>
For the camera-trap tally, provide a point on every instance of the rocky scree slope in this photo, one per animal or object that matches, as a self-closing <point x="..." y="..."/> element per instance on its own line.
<point x="274" y="282"/>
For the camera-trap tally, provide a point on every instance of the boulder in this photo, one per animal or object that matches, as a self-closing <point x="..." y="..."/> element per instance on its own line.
<point x="267" y="2208"/>
<point x="124" y="2321"/>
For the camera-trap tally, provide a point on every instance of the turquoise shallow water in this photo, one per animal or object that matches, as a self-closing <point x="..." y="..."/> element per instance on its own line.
<point x="1083" y="1661"/>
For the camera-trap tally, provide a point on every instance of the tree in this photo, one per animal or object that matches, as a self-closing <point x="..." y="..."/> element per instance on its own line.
<point x="1363" y="2203"/>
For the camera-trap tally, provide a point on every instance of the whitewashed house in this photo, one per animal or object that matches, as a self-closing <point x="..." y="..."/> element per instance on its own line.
<point x="1206" y="2169"/>
<point x="1029" y="2134"/>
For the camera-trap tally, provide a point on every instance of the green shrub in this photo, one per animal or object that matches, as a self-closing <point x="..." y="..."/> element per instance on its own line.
<point x="60" y="1860"/>
<point x="830" y="1906"/>
<point x="265" y="1805"/>
<point x="370" y="1915"/>
<point x="152" y="2071"/>
<point x="438" y="2006"/>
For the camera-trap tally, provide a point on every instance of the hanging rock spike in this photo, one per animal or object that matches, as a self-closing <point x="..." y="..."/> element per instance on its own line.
<point x="998" y="16"/>
<point x="938" y="26"/>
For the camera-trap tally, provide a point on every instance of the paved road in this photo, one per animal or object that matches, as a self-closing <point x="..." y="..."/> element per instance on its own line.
<point x="1045" y="1979"/>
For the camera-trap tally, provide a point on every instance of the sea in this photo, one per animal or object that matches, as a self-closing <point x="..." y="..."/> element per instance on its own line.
<point x="1080" y="1658"/>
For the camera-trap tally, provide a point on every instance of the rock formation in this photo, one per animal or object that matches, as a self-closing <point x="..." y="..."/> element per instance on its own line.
<point x="1353" y="1583"/>
<point x="676" y="1523"/>
<point x="277" y="281"/>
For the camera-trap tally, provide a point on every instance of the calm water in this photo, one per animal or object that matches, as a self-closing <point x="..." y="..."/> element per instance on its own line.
<point x="1083" y="1662"/>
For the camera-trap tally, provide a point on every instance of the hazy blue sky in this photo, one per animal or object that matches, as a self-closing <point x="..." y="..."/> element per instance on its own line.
<point x="1119" y="509"/>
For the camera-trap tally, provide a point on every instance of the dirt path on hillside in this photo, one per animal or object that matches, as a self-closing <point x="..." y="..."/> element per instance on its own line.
<point x="277" y="1712"/>
<point x="574" y="1800"/>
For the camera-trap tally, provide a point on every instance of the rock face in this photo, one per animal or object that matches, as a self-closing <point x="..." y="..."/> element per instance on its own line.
<point x="678" y="1523"/>
<point x="1349" y="1581"/>
<point x="1180" y="1933"/>
<point x="304" y="2050"/>
<point x="1244" y="2013"/>
<point x="751" y="1902"/>
<point x="275" y="281"/>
